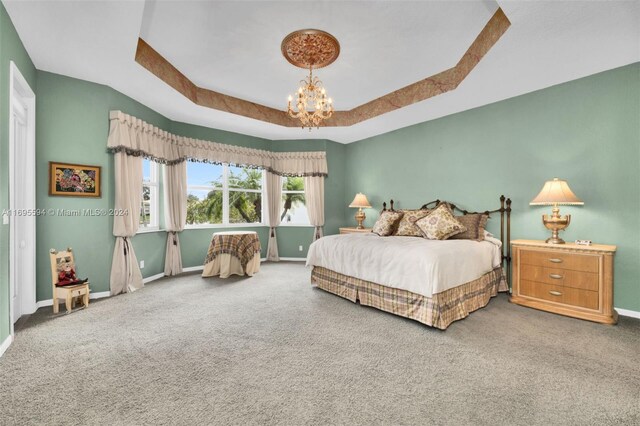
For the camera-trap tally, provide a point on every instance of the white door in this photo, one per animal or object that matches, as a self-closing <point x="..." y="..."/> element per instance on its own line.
<point x="22" y="198"/>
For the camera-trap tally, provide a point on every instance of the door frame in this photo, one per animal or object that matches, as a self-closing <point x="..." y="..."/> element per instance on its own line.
<point x="21" y="93"/>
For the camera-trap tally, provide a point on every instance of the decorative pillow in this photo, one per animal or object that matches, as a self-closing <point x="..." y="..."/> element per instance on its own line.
<point x="387" y="223"/>
<point x="475" y="224"/>
<point x="406" y="226"/>
<point x="440" y="224"/>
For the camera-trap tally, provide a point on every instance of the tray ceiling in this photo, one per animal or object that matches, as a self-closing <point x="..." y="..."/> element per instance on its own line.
<point x="234" y="48"/>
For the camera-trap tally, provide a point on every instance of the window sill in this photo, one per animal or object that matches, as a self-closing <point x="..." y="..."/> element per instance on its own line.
<point x="149" y="230"/>
<point x="231" y="225"/>
<point x="295" y="225"/>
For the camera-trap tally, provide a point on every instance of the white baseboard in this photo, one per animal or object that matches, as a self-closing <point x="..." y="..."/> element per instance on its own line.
<point x="628" y="313"/>
<point x="153" y="278"/>
<point x="294" y="259"/>
<point x="5" y="345"/>
<point x="193" y="268"/>
<point x="99" y="295"/>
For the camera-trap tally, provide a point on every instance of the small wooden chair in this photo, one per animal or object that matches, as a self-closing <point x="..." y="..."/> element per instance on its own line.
<point x="59" y="259"/>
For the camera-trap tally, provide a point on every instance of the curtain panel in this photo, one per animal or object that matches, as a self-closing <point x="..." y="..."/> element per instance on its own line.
<point x="274" y="196"/>
<point x="125" y="271"/>
<point x="136" y="137"/>
<point x="314" y="194"/>
<point x="175" y="214"/>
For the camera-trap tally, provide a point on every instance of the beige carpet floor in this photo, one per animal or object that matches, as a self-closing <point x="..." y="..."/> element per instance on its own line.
<point x="273" y="350"/>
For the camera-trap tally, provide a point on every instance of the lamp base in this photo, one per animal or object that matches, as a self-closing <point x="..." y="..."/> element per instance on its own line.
<point x="360" y="217"/>
<point x="556" y="223"/>
<point x="554" y="240"/>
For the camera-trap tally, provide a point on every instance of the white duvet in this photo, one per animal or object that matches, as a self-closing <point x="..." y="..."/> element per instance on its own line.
<point x="422" y="266"/>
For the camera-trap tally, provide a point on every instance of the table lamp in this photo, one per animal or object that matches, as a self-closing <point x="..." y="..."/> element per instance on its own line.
<point x="360" y="202"/>
<point x="555" y="192"/>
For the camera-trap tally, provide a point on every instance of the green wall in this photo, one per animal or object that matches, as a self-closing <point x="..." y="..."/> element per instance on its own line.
<point x="290" y="238"/>
<point x="72" y="126"/>
<point x="586" y="131"/>
<point x="11" y="49"/>
<point x="221" y="136"/>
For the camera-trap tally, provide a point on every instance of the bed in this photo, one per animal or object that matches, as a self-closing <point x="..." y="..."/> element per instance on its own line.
<point x="430" y="281"/>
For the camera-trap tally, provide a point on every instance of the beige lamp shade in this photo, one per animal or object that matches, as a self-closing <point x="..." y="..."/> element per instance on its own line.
<point x="360" y="201"/>
<point x="555" y="192"/>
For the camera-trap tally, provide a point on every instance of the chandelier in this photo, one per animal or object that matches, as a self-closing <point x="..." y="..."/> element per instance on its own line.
<point x="310" y="49"/>
<point x="312" y="105"/>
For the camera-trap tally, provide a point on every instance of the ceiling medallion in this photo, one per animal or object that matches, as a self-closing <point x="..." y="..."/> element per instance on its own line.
<point x="310" y="49"/>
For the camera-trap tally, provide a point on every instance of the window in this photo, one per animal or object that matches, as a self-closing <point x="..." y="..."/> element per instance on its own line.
<point x="204" y="193"/>
<point x="245" y="195"/>
<point x="149" y="211"/>
<point x="293" y="207"/>
<point x="223" y="195"/>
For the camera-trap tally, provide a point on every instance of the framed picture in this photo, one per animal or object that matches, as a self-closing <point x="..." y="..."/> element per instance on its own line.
<point x="74" y="180"/>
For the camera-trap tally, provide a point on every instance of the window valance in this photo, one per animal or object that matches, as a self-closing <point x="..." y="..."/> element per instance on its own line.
<point x="136" y="137"/>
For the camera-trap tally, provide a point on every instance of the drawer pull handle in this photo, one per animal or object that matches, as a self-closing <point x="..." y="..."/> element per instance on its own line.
<point x="555" y="276"/>
<point x="555" y="293"/>
<point x="555" y="260"/>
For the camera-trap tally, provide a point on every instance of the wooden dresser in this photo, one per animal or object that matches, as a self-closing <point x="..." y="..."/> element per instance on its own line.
<point x="354" y="230"/>
<point x="566" y="279"/>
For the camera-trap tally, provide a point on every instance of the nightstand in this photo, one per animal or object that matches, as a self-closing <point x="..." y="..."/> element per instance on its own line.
<point x="354" y="230"/>
<point x="566" y="279"/>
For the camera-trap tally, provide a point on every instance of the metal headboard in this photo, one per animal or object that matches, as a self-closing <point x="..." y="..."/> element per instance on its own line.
<point x="505" y="231"/>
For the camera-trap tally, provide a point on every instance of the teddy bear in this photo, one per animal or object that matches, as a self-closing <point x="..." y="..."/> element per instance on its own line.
<point x="67" y="274"/>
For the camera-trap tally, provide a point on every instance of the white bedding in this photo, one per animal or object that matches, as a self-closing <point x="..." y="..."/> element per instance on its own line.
<point x="422" y="266"/>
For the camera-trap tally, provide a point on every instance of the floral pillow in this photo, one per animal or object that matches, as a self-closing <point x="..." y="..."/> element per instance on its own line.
<point x="440" y="224"/>
<point x="475" y="223"/>
<point x="387" y="223"/>
<point x="406" y="226"/>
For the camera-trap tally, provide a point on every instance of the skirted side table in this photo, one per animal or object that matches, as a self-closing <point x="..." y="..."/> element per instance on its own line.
<point x="233" y="252"/>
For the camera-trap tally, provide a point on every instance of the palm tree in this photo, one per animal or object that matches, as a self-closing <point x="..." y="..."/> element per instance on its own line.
<point x="292" y="184"/>
<point x="207" y="210"/>
<point x="212" y="206"/>
<point x="247" y="204"/>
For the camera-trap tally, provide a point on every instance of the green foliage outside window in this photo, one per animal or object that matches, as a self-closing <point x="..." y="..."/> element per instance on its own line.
<point x="244" y="207"/>
<point x="291" y="200"/>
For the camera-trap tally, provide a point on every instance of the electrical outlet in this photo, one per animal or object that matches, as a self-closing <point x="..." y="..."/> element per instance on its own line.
<point x="299" y="248"/>
<point x="5" y="219"/>
<point x="142" y="264"/>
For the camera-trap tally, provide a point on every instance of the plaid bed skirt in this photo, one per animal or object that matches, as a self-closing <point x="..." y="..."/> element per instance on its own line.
<point x="241" y="246"/>
<point x="438" y="311"/>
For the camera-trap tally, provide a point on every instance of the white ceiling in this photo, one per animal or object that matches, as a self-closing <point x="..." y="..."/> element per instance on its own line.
<point x="234" y="47"/>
